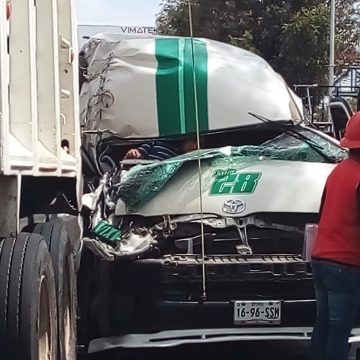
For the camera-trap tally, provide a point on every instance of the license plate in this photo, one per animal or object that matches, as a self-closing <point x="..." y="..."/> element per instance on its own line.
<point x="257" y="312"/>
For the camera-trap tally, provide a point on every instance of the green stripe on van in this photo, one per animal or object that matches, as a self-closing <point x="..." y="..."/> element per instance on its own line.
<point x="167" y="86"/>
<point x="175" y="85"/>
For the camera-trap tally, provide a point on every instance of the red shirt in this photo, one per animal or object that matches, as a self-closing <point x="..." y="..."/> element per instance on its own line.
<point x="339" y="229"/>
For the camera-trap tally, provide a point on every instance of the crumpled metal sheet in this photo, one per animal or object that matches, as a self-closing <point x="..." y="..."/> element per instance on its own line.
<point x="143" y="182"/>
<point x="123" y="70"/>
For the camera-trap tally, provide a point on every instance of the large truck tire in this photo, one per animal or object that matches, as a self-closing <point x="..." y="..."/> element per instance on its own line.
<point x="65" y="278"/>
<point x="28" y="314"/>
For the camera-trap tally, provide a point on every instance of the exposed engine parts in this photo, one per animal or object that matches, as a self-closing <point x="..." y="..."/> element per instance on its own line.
<point x="117" y="237"/>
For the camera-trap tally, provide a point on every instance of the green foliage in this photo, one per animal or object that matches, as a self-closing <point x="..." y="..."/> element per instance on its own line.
<point x="304" y="45"/>
<point x="292" y="35"/>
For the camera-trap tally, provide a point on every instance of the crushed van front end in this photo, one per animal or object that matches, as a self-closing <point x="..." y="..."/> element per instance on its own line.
<point x="171" y="265"/>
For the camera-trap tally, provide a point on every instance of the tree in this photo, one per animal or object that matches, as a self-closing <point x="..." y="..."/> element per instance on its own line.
<point x="348" y="15"/>
<point x="304" y="46"/>
<point x="292" y="35"/>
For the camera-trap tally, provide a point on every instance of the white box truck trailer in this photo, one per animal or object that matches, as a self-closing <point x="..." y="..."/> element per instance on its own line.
<point x="39" y="163"/>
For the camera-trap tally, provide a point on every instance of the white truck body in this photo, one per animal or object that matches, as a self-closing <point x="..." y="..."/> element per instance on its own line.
<point x="39" y="88"/>
<point x="40" y="179"/>
<point x="39" y="106"/>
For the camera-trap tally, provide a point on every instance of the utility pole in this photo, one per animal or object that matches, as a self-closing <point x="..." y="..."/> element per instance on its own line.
<point x="332" y="46"/>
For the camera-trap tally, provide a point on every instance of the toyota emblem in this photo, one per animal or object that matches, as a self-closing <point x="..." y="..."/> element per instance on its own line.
<point x="234" y="206"/>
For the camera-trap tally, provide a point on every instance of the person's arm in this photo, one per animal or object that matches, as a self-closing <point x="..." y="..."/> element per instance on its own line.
<point x="142" y="152"/>
<point x="145" y="149"/>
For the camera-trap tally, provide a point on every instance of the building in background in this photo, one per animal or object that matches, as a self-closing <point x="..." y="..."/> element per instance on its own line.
<point x="348" y="83"/>
<point x="85" y="32"/>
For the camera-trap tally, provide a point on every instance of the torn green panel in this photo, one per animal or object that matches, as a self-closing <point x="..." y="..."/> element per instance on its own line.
<point x="142" y="182"/>
<point x="107" y="232"/>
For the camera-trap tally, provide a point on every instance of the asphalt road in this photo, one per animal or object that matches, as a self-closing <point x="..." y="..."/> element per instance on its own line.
<point x="251" y="351"/>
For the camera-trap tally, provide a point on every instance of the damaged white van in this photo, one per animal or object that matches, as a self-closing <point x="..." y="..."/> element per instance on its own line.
<point x="208" y="245"/>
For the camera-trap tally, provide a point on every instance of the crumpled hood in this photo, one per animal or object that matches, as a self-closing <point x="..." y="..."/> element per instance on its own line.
<point x="240" y="189"/>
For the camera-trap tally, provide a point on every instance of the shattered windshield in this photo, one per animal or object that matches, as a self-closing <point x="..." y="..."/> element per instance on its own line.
<point x="298" y="150"/>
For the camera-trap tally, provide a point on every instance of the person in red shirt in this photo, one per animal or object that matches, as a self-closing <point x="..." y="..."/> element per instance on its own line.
<point x="336" y="254"/>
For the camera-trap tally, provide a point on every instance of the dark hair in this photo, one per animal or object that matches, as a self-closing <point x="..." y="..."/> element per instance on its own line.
<point x="65" y="143"/>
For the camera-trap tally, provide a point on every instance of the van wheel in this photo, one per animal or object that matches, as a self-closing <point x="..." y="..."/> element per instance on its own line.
<point x="65" y="278"/>
<point x="28" y="315"/>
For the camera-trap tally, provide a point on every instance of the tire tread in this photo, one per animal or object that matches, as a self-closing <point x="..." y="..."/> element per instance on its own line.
<point x="23" y="261"/>
<point x="60" y="249"/>
<point x="15" y="294"/>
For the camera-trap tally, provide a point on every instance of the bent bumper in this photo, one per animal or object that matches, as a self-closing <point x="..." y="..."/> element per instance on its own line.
<point x="175" y="338"/>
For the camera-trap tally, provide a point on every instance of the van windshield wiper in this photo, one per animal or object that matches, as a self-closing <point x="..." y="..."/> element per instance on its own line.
<point x="295" y="133"/>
